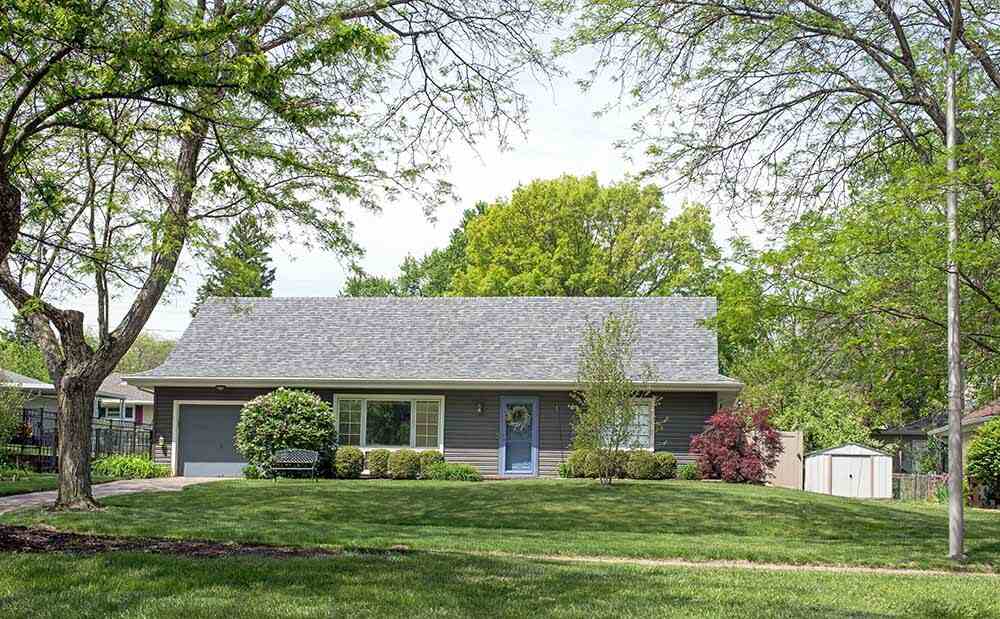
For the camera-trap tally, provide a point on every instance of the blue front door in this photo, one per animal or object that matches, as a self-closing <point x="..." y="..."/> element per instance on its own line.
<point x="518" y="436"/>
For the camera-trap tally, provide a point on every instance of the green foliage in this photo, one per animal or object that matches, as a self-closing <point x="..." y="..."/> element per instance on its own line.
<point x="429" y="276"/>
<point x="827" y="415"/>
<point x="241" y="267"/>
<point x="429" y="457"/>
<point x="147" y="352"/>
<point x="285" y="418"/>
<point x="443" y="471"/>
<point x="582" y="463"/>
<point x="642" y="464"/>
<point x="572" y="237"/>
<point x="129" y="467"/>
<point x="983" y="459"/>
<point x="349" y="462"/>
<point x="22" y="357"/>
<point x="666" y="465"/>
<point x="252" y="471"/>
<point x="404" y="464"/>
<point x="12" y="402"/>
<point x="378" y="463"/>
<point x="605" y="405"/>
<point x="688" y="471"/>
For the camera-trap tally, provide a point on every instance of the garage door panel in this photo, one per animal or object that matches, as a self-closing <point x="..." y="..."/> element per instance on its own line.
<point x="206" y="441"/>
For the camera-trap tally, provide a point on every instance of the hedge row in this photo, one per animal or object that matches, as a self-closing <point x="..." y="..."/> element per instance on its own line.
<point x="636" y="464"/>
<point x="349" y="462"/>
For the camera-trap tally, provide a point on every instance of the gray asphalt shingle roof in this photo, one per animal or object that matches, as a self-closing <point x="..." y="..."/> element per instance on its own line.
<point x="434" y="339"/>
<point x="114" y="387"/>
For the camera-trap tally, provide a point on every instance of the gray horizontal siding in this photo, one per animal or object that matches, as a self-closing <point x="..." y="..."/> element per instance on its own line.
<point x="472" y="437"/>
<point x="679" y="417"/>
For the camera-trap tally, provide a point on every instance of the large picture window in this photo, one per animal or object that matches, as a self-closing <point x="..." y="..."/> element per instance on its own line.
<point x="391" y="421"/>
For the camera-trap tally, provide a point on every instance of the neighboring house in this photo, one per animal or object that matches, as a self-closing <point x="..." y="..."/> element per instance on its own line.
<point x="124" y="402"/>
<point x="970" y="423"/>
<point x="911" y="438"/>
<point x="41" y="395"/>
<point x="428" y="373"/>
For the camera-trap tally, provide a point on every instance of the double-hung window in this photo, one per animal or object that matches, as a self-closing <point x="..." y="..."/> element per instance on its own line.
<point x="641" y="431"/>
<point x="391" y="421"/>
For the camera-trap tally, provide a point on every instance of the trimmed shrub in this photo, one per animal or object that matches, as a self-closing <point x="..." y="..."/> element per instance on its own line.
<point x="129" y="467"/>
<point x="428" y="458"/>
<point x="443" y="471"/>
<point x="251" y="471"/>
<point x="565" y="470"/>
<point x="286" y="418"/>
<point x="688" y="471"/>
<point x="378" y="463"/>
<point x="666" y="465"/>
<point x="641" y="464"/>
<point x="738" y="446"/>
<point x="983" y="463"/>
<point x="349" y="462"/>
<point x="404" y="464"/>
<point x="583" y="463"/>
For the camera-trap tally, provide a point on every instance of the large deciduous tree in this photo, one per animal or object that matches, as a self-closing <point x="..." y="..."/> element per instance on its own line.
<point x="128" y="128"/>
<point x="571" y="236"/>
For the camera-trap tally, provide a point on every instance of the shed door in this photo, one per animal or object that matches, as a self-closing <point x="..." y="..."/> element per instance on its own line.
<point x="206" y="441"/>
<point x="852" y="476"/>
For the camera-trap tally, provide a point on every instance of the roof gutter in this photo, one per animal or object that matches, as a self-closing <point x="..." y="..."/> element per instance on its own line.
<point x="361" y="383"/>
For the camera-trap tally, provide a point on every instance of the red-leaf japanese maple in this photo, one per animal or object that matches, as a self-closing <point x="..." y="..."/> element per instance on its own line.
<point x="738" y="445"/>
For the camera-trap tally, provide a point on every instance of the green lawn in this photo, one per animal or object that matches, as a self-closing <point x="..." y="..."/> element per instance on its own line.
<point x="24" y="482"/>
<point x="690" y="520"/>
<point x="421" y="585"/>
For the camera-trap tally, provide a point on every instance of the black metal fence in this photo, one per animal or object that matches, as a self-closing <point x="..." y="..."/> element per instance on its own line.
<point x="36" y="442"/>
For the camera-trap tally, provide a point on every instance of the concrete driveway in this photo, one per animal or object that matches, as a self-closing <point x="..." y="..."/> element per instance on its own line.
<point x="111" y="488"/>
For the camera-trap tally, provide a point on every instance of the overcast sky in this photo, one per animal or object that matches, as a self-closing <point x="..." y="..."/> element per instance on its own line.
<point x="563" y="136"/>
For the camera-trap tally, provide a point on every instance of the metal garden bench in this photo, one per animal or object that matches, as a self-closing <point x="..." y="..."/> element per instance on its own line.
<point x="286" y="460"/>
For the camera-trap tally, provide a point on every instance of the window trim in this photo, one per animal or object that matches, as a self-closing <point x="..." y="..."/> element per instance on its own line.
<point x="118" y="412"/>
<point x="393" y="397"/>
<point x="651" y="401"/>
<point x="652" y="421"/>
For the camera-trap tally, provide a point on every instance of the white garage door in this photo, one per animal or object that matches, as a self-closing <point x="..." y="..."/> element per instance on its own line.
<point x="206" y="441"/>
<point x="852" y="476"/>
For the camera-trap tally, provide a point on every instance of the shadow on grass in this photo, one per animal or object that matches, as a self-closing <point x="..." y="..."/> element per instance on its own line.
<point x="723" y="521"/>
<point x="422" y="584"/>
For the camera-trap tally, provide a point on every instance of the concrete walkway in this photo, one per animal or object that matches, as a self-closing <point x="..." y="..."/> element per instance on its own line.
<point x="111" y="488"/>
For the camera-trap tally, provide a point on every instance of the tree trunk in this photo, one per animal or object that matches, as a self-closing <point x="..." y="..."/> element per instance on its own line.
<point x="10" y="214"/>
<point x="76" y="410"/>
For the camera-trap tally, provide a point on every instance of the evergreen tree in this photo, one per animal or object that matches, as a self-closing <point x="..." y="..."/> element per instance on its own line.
<point x="241" y="267"/>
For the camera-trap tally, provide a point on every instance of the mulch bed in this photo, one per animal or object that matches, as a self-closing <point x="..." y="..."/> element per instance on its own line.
<point x="44" y="539"/>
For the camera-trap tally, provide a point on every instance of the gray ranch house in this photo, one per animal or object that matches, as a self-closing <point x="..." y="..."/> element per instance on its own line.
<point x="428" y="373"/>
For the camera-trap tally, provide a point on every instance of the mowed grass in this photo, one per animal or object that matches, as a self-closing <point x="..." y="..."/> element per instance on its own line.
<point x="688" y="520"/>
<point x="26" y="481"/>
<point x="434" y="585"/>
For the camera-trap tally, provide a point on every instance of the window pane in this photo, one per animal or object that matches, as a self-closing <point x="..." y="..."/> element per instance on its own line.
<point x="349" y="415"/>
<point x="388" y="423"/>
<point x="427" y="423"/>
<point x="640" y="427"/>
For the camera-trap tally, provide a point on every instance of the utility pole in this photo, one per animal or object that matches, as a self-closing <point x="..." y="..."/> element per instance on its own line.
<point x="956" y="473"/>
